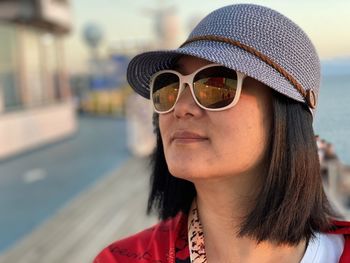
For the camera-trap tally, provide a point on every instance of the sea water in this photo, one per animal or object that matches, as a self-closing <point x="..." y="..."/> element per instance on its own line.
<point x="332" y="120"/>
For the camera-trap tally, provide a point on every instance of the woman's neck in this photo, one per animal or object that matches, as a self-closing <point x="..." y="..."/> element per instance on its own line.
<point x="222" y="207"/>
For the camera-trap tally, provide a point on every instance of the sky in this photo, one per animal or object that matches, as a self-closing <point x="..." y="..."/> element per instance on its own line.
<point x="326" y="22"/>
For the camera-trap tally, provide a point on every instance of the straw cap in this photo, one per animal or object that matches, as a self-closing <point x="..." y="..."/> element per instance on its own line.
<point x="253" y="39"/>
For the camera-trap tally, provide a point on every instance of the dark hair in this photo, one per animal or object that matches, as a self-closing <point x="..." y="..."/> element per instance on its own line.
<point x="291" y="205"/>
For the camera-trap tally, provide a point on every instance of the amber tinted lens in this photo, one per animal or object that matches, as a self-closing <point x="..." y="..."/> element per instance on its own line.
<point x="215" y="87"/>
<point x="165" y="91"/>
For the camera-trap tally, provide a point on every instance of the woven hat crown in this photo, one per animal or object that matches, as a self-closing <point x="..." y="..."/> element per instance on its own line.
<point x="284" y="55"/>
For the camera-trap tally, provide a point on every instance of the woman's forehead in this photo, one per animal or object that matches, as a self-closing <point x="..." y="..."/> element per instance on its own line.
<point x="187" y="64"/>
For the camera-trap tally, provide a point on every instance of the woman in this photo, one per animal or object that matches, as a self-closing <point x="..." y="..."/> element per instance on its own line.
<point x="236" y="175"/>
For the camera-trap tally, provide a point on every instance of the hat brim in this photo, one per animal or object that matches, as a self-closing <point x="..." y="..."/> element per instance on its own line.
<point x="143" y="66"/>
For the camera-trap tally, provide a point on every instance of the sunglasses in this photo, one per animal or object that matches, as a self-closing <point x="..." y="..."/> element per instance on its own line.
<point x="213" y="88"/>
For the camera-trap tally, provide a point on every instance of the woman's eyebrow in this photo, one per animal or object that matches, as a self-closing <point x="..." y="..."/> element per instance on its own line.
<point x="177" y="66"/>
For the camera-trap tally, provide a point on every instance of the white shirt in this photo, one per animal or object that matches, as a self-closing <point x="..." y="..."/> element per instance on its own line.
<point x="324" y="248"/>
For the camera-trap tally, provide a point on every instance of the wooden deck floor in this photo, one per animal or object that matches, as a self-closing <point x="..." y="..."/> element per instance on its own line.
<point x="111" y="209"/>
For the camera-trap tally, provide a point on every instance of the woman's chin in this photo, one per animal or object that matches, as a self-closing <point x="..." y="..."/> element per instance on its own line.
<point x="190" y="173"/>
<point x="185" y="172"/>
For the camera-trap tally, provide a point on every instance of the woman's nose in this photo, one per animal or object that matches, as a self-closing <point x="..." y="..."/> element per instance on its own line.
<point x="186" y="105"/>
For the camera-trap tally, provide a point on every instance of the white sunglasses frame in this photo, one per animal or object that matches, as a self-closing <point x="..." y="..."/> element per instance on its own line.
<point x="188" y="79"/>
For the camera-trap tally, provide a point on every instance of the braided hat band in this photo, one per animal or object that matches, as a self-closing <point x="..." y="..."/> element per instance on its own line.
<point x="309" y="95"/>
<point x="255" y="40"/>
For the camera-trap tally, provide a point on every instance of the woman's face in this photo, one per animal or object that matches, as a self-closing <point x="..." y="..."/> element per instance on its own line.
<point x="202" y="144"/>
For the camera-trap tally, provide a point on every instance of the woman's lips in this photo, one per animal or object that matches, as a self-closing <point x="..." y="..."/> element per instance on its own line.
<point x="184" y="137"/>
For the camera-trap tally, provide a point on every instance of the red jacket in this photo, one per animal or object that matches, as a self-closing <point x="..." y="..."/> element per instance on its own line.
<point x="167" y="242"/>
